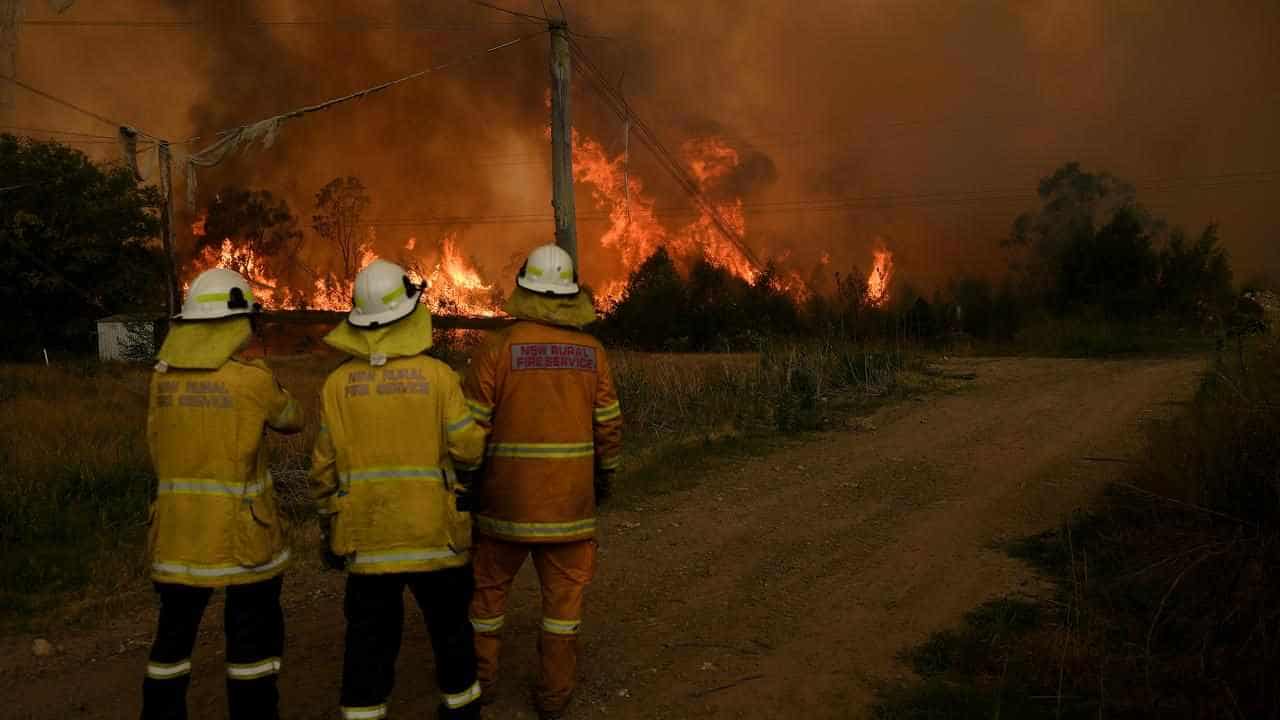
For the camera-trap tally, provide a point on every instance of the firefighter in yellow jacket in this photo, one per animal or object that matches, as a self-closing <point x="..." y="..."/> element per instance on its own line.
<point x="543" y="390"/>
<point x="394" y="424"/>
<point x="214" y="520"/>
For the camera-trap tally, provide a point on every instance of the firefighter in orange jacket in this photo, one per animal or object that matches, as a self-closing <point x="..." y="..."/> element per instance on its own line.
<point x="394" y="424"/>
<point x="215" y="522"/>
<point x="543" y="390"/>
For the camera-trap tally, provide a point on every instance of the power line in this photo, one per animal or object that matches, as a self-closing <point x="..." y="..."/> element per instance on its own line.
<point x="525" y="16"/>
<point x="360" y="94"/>
<point x="72" y="106"/>
<point x="371" y="25"/>
<point x="665" y="158"/>
<point x="58" y="132"/>
<point x="887" y="200"/>
<point x="265" y="130"/>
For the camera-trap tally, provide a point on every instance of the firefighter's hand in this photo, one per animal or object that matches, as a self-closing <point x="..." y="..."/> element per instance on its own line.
<point x="603" y="486"/>
<point x="468" y="495"/>
<point x="332" y="560"/>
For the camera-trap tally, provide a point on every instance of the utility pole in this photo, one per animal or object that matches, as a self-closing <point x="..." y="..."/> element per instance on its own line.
<point x="562" y="142"/>
<point x="10" y="19"/>
<point x="166" y="226"/>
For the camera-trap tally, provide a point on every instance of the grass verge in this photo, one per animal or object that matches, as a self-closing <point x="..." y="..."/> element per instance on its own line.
<point x="1167" y="598"/>
<point x="75" y="475"/>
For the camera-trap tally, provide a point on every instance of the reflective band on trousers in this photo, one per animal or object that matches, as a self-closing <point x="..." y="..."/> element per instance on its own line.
<point x="560" y="627"/>
<point x="466" y="697"/>
<point x="611" y="463"/>
<point x="488" y="625"/>
<point x="402" y="556"/>
<point x="212" y="571"/>
<point x="253" y="671"/>
<point x="163" y="671"/>
<point x="392" y="473"/>
<point x="372" y="712"/>
<point x="548" y="451"/>
<point x="608" y="412"/>
<point x="192" y="486"/>
<point x="535" y="530"/>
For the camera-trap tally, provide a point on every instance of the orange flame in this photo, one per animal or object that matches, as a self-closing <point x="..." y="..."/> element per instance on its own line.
<point x="634" y="230"/>
<point x="454" y="284"/>
<point x="633" y="234"/>
<point x="880" y="278"/>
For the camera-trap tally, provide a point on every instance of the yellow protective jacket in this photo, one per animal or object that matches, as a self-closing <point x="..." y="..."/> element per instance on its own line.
<point x="214" y="520"/>
<point x="546" y="396"/>
<point x="383" y="467"/>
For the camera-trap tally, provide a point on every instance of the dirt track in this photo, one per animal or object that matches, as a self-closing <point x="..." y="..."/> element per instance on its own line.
<point x="782" y="586"/>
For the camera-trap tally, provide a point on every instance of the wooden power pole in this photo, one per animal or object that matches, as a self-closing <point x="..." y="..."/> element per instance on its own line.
<point x="166" y="227"/>
<point x="562" y="142"/>
<point x="10" y="19"/>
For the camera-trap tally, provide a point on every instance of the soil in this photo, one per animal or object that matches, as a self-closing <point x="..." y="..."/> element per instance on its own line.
<point x="780" y="584"/>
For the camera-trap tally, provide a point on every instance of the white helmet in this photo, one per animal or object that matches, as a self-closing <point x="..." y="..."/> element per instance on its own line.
<point x="383" y="294"/>
<point x="218" y="293"/>
<point x="549" y="271"/>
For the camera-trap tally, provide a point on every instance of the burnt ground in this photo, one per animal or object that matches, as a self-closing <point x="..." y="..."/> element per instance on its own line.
<point x="782" y="584"/>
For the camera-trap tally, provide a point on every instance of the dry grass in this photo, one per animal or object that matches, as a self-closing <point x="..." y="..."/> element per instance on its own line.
<point x="786" y="387"/>
<point x="74" y="479"/>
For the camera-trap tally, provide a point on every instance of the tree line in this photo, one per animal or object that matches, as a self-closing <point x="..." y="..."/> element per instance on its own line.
<point x="77" y="242"/>
<point x="1091" y="254"/>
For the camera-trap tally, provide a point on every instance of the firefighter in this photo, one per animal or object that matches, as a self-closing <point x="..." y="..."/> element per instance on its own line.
<point x="214" y="519"/>
<point x="543" y="390"/>
<point x="394" y="423"/>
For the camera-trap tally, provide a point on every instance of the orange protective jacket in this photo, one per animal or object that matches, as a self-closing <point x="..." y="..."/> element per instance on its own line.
<point x="546" y="396"/>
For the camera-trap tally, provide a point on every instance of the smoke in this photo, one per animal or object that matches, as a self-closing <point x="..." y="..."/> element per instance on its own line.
<point x="922" y="123"/>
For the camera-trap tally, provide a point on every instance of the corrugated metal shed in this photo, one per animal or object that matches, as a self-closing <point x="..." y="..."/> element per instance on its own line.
<point x="128" y="338"/>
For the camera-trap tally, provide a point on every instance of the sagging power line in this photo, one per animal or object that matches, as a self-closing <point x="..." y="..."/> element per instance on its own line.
<point x="666" y="159"/>
<point x="266" y="130"/>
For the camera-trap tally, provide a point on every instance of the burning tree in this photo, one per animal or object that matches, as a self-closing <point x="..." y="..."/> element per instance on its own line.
<point x="339" y="207"/>
<point x="257" y="235"/>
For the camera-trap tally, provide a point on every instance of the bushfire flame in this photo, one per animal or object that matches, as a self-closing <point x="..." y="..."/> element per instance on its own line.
<point x="880" y="277"/>
<point x="634" y="233"/>
<point x="453" y="284"/>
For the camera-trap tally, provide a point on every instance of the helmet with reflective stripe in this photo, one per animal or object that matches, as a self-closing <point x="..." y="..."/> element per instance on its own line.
<point x="549" y="271"/>
<point x="383" y="294"/>
<point x="218" y="293"/>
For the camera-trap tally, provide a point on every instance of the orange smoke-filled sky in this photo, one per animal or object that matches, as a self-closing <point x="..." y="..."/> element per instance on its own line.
<point x="924" y="124"/>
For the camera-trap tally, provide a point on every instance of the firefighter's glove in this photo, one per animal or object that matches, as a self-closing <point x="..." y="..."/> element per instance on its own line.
<point x="328" y="558"/>
<point x="332" y="560"/>
<point x="603" y="486"/>
<point x="468" y="494"/>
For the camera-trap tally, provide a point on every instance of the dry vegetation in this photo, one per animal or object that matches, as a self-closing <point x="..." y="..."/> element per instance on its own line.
<point x="1168" y="601"/>
<point x="75" y="477"/>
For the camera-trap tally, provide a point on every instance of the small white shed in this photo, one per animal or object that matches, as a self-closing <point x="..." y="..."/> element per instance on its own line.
<point x="128" y="338"/>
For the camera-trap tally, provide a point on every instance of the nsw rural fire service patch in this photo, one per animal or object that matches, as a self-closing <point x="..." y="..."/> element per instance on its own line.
<point x="552" y="356"/>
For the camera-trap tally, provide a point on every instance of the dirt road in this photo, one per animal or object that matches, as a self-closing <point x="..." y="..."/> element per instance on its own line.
<point x="781" y="586"/>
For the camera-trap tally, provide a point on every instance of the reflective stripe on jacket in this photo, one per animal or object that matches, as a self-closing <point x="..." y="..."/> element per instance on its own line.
<point x="214" y="520"/>
<point x="383" y="466"/>
<point x="546" y="396"/>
